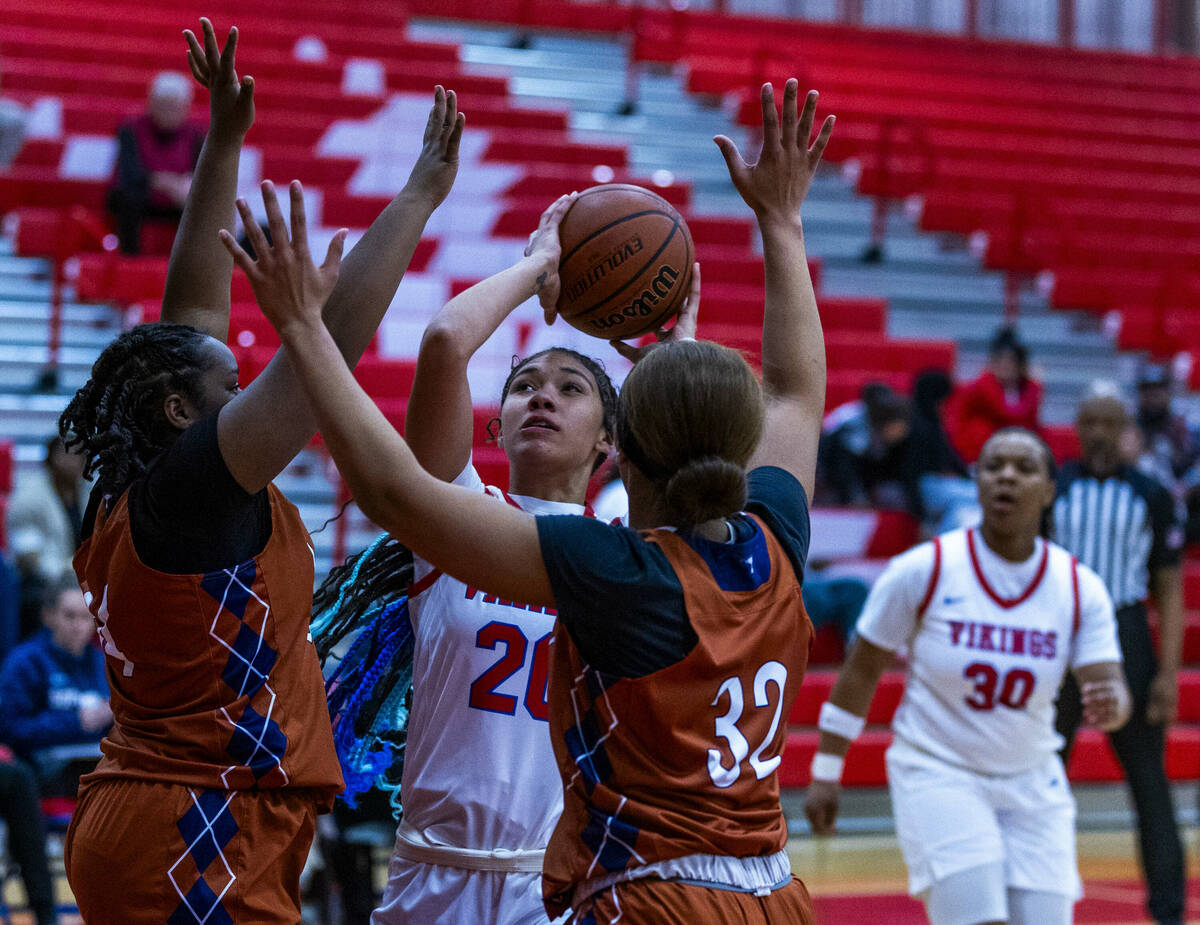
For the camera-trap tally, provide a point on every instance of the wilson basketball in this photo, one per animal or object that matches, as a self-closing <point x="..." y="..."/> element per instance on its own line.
<point x="626" y="264"/>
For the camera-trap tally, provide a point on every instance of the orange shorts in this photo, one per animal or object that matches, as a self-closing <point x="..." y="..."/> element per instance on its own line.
<point x="667" y="902"/>
<point x="139" y="852"/>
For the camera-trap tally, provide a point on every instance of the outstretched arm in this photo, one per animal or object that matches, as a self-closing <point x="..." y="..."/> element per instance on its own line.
<point x="200" y="270"/>
<point x="266" y="426"/>
<point x="439" y="422"/>
<point x="793" y="345"/>
<point x="489" y="545"/>
<point x="850" y="698"/>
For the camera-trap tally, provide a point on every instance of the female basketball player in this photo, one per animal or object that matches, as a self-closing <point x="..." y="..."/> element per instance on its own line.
<point x="679" y="644"/>
<point x="992" y="618"/>
<point x="198" y="570"/>
<point x="480" y="788"/>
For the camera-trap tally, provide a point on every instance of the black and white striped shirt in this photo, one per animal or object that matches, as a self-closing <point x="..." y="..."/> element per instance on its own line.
<point x="1124" y="527"/>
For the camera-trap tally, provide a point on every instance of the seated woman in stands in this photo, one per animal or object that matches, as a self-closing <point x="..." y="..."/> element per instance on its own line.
<point x="1004" y="395"/>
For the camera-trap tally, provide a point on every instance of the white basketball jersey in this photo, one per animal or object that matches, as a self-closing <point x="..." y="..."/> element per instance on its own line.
<point x="479" y="771"/>
<point x="984" y="669"/>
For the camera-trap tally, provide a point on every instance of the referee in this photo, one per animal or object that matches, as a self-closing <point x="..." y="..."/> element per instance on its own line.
<point x="1124" y="525"/>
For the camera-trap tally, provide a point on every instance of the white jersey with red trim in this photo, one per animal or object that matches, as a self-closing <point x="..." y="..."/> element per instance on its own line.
<point x="988" y="643"/>
<point x="479" y="771"/>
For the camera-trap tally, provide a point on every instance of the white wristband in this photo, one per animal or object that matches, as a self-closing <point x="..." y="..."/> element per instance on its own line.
<point x="826" y="767"/>
<point x="839" y="722"/>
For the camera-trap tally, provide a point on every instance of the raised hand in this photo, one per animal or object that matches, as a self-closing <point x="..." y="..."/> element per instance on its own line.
<point x="545" y="245"/>
<point x="684" y="327"/>
<point x="287" y="285"/>
<point x="437" y="165"/>
<point x="231" y="101"/>
<point x="776" y="185"/>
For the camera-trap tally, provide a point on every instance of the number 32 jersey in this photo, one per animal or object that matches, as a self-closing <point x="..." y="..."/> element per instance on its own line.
<point x="988" y="643"/>
<point x="479" y="771"/>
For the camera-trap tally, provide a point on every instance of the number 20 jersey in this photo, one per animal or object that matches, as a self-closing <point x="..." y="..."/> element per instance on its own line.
<point x="984" y="669"/>
<point x="479" y="771"/>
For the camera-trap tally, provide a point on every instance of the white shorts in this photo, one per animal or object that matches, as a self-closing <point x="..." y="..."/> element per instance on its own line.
<point x="431" y="894"/>
<point x="950" y="819"/>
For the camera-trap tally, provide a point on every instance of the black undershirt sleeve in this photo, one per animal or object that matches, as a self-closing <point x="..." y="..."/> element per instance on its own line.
<point x="616" y="594"/>
<point x="189" y="515"/>
<point x="778" y="498"/>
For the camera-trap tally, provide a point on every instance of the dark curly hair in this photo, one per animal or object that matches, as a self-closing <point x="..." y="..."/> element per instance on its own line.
<point x="604" y="386"/>
<point x="116" y="420"/>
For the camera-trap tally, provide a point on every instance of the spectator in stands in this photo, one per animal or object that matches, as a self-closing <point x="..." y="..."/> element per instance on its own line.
<point x="948" y="495"/>
<point x="21" y="811"/>
<point x="157" y="152"/>
<point x="1170" y="445"/>
<point x="1125" y="526"/>
<point x="10" y="605"/>
<point x="862" y="451"/>
<point x="44" y="517"/>
<point x="1005" y="395"/>
<point x="53" y="692"/>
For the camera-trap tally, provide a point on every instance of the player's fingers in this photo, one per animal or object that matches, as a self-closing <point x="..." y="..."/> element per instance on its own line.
<point x="212" y="54"/>
<point x="733" y="157"/>
<point x="246" y="93"/>
<point x="451" y="114"/>
<point x="455" y="136"/>
<point x="333" y="256"/>
<point x="628" y="351"/>
<point x="299" y="220"/>
<point x="437" y="113"/>
<point x="818" y="148"/>
<point x="279" y="233"/>
<point x="193" y="65"/>
<point x="240" y="257"/>
<point x="229" y="53"/>
<point x="254" y="234"/>
<point x="770" y="117"/>
<point x="805" y="119"/>
<point x="789" y="127"/>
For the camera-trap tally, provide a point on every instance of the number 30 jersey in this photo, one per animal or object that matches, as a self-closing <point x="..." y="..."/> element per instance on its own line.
<point x="988" y="643"/>
<point x="479" y="771"/>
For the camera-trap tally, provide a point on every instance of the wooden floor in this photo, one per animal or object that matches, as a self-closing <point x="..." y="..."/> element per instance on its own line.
<point x="861" y="880"/>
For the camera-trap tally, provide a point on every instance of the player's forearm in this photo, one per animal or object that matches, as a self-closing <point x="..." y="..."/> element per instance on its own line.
<point x="1168" y="595"/>
<point x="372" y="271"/>
<point x="793" y="344"/>
<point x="200" y="268"/>
<point x="465" y="323"/>
<point x="370" y="455"/>
<point x="854" y="689"/>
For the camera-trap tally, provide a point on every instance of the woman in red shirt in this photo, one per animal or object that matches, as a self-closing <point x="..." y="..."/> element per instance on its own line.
<point x="1005" y="395"/>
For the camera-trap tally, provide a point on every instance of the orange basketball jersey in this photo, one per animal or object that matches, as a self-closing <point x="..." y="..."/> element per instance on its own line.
<point x="681" y="761"/>
<point x="215" y="682"/>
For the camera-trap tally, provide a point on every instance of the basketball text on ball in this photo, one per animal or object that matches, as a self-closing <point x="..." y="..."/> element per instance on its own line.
<point x="660" y="288"/>
<point x="626" y="262"/>
<point x="601" y="267"/>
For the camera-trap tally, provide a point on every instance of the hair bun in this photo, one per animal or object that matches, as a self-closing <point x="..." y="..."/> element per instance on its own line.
<point x="704" y="489"/>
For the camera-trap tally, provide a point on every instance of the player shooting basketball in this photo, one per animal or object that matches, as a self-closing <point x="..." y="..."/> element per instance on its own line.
<point x="679" y="644"/>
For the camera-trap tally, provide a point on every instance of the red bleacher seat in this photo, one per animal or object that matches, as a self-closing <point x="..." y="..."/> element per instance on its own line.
<point x="6" y="466"/>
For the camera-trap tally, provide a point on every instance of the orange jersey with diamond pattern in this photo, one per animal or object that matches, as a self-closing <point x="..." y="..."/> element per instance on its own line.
<point x="214" y="680"/>
<point x="681" y="761"/>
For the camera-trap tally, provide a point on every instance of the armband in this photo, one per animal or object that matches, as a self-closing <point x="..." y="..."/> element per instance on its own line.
<point x="839" y="722"/>
<point x="828" y="768"/>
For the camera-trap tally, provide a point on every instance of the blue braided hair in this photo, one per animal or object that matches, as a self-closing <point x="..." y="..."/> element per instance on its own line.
<point x="364" y="638"/>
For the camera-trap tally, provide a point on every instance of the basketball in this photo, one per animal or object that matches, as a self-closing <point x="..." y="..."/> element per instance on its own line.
<point x="626" y="264"/>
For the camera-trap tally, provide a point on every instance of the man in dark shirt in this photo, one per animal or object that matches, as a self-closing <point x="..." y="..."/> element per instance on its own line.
<point x="157" y="152"/>
<point x="1124" y="526"/>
